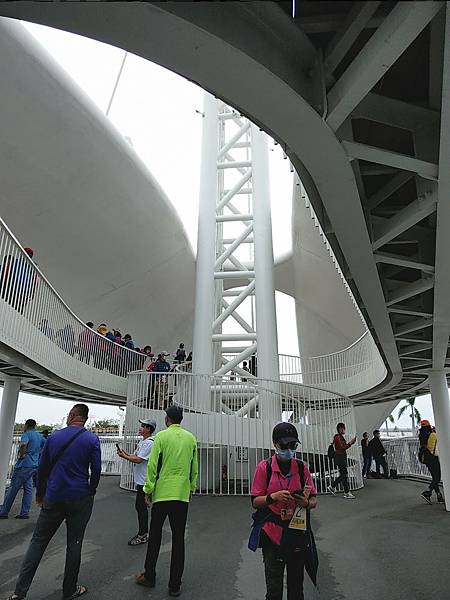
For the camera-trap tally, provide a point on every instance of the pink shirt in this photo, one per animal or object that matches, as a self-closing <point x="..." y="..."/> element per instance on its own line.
<point x="279" y="482"/>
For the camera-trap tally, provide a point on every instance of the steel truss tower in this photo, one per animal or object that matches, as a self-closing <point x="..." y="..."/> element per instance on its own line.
<point x="235" y="315"/>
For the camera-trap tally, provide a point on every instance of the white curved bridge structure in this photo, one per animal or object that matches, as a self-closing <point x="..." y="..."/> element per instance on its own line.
<point x="358" y="98"/>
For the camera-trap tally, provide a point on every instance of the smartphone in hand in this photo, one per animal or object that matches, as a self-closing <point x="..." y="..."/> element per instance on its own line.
<point x="118" y="447"/>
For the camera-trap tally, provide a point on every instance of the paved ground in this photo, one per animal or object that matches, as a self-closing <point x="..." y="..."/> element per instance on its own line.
<point x="387" y="544"/>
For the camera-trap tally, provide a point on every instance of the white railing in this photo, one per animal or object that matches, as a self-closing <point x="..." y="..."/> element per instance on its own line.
<point x="401" y="454"/>
<point x="234" y="429"/>
<point x="36" y="322"/>
<point x="350" y="371"/>
<point x="111" y="463"/>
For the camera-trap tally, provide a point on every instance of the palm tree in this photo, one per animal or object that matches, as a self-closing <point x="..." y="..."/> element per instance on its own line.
<point x="391" y="419"/>
<point x="415" y="414"/>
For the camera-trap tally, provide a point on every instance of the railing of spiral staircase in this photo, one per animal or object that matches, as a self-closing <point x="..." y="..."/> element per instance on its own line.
<point x="351" y="371"/>
<point x="37" y="323"/>
<point x="234" y="427"/>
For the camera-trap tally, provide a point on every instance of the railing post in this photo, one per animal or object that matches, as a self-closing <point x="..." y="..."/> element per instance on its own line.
<point x="7" y="420"/>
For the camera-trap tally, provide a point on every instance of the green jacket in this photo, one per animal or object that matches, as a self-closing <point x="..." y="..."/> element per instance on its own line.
<point x="172" y="467"/>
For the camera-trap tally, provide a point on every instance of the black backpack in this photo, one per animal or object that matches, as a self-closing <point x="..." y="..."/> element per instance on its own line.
<point x="331" y="451"/>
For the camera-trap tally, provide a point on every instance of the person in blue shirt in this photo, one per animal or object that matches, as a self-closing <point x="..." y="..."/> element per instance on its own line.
<point x="68" y="476"/>
<point x="25" y="468"/>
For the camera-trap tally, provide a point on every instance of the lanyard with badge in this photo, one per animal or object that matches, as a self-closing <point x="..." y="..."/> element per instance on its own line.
<point x="298" y="520"/>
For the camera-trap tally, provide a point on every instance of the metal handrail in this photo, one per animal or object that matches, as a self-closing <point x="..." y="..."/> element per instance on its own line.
<point x="36" y="322"/>
<point x="233" y="422"/>
<point x="36" y="268"/>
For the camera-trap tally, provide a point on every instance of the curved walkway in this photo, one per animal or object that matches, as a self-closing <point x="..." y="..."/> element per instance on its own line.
<point x="271" y="56"/>
<point x="381" y="533"/>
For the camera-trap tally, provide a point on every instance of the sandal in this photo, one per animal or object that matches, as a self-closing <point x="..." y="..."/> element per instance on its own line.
<point x="80" y="590"/>
<point x="138" y="539"/>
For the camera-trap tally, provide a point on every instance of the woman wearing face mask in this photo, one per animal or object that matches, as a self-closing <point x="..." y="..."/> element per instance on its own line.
<point x="280" y="485"/>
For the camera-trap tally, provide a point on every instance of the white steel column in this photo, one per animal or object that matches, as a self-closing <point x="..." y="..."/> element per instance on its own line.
<point x="7" y="420"/>
<point x="441" y="410"/>
<point x="202" y="352"/>
<point x="202" y="348"/>
<point x="266" y="323"/>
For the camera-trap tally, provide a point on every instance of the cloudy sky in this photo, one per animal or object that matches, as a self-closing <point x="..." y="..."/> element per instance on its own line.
<point x="159" y="112"/>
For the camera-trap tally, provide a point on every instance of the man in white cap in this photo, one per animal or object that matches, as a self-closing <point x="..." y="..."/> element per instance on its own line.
<point x="140" y="460"/>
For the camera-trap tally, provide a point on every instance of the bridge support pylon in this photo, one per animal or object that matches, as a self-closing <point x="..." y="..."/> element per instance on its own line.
<point x="8" y="411"/>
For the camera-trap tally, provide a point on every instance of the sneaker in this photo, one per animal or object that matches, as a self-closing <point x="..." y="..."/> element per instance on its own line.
<point x="22" y="517"/>
<point x="331" y="489"/>
<point x="440" y="498"/>
<point x="138" y="539"/>
<point x="427" y="497"/>
<point x="174" y="592"/>
<point x="3" y="516"/>
<point x="349" y="496"/>
<point x="141" y="580"/>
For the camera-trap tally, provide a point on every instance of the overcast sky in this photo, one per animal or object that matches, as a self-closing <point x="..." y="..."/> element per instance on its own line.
<point x="160" y="113"/>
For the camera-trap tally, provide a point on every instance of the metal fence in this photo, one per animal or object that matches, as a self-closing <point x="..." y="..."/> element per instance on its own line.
<point x="111" y="463"/>
<point x="233" y="421"/>
<point x="350" y="371"/>
<point x="401" y="454"/>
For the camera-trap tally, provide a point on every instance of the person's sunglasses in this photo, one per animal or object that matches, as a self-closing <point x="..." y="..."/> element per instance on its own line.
<point x="288" y="446"/>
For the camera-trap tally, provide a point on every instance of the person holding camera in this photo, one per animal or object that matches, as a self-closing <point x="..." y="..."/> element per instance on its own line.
<point x="139" y="459"/>
<point x="282" y="485"/>
<point x="340" y="459"/>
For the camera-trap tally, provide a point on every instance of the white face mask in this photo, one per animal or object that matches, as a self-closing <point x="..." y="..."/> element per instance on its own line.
<point x="286" y="454"/>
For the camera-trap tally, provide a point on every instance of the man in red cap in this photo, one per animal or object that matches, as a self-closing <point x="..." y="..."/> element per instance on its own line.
<point x="428" y="455"/>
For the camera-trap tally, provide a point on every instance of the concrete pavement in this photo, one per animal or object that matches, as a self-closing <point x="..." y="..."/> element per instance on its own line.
<point x="385" y="544"/>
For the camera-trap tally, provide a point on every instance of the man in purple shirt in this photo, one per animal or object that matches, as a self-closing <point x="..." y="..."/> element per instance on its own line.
<point x="65" y="491"/>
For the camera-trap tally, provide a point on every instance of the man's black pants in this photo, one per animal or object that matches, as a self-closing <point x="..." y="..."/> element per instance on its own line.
<point x="142" y="510"/>
<point x="274" y="572"/>
<point x="341" y="464"/>
<point x="76" y="513"/>
<point x="380" y="461"/>
<point x="177" y="512"/>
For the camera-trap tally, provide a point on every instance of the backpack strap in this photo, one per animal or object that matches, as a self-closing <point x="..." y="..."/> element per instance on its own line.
<point x="300" y="466"/>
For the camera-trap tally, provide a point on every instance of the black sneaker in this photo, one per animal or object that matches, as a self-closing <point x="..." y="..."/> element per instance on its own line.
<point x="174" y="592"/>
<point x="141" y="580"/>
<point x="427" y="497"/>
<point x="440" y="498"/>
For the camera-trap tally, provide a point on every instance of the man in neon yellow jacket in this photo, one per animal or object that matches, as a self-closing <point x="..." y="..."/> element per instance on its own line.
<point x="171" y="480"/>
